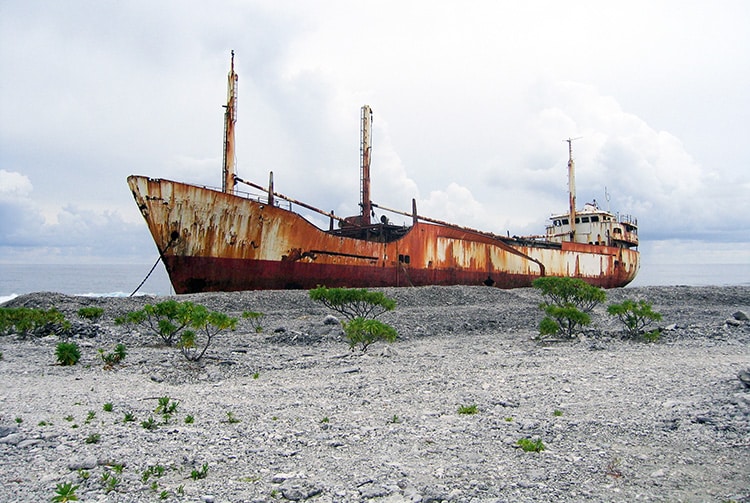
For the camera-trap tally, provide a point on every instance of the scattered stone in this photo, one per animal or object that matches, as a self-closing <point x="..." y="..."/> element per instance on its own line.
<point x="744" y="377"/>
<point x="331" y="320"/>
<point x="629" y="408"/>
<point x="87" y="463"/>
<point x="740" y="316"/>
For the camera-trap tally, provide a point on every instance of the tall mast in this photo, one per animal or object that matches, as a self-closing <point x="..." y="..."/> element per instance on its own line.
<point x="230" y="117"/>
<point x="572" y="188"/>
<point x="365" y="150"/>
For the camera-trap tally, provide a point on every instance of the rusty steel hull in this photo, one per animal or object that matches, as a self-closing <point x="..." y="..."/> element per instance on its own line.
<point x="214" y="241"/>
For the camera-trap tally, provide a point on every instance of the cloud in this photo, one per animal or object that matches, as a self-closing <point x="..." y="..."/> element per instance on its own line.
<point x="71" y="234"/>
<point x="14" y="185"/>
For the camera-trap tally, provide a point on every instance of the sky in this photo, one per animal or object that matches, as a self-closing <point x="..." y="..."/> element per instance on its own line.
<point x="472" y="103"/>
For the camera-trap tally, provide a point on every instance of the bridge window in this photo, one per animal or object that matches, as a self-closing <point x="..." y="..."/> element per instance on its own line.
<point x="584" y="219"/>
<point x="405" y="259"/>
<point x="595" y="218"/>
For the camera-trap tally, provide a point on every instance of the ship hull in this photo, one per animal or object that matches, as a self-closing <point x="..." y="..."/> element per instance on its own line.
<point x="213" y="241"/>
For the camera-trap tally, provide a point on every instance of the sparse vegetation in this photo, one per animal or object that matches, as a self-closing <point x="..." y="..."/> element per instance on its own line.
<point x="155" y="470"/>
<point x="90" y="313"/>
<point x="181" y="323"/>
<point x="256" y="319"/>
<point x="113" y="358"/>
<point x="364" y="332"/>
<point x="166" y="408"/>
<point x="557" y="413"/>
<point x="128" y="418"/>
<point x="353" y="302"/>
<point x="165" y="319"/>
<point x="189" y="419"/>
<point x="149" y="424"/>
<point x="636" y="316"/>
<point x="468" y="409"/>
<point x="529" y="445"/>
<point x="93" y="438"/>
<point x="109" y="481"/>
<point x="67" y="353"/>
<point x="25" y="321"/>
<point x="231" y="419"/>
<point x="108" y="407"/>
<point x="206" y="324"/>
<point x="65" y="492"/>
<point x="200" y="474"/>
<point x="567" y="304"/>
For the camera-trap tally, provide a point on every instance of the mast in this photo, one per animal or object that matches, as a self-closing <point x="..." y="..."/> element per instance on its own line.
<point x="572" y="188"/>
<point x="230" y="117"/>
<point x="365" y="150"/>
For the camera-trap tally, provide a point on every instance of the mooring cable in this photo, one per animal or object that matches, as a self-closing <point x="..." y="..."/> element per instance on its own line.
<point x="147" y="276"/>
<point x="161" y="255"/>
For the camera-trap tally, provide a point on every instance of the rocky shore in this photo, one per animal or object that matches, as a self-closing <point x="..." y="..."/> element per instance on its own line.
<point x="290" y="413"/>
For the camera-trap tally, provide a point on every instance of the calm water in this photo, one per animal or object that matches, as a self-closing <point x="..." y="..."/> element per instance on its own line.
<point x="122" y="279"/>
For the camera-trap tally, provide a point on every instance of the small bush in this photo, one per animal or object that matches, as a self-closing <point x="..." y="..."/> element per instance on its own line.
<point x="636" y="316"/>
<point x="25" y="321"/>
<point x="256" y="319"/>
<point x="567" y="304"/>
<point x="67" y="353"/>
<point x="90" y="313"/>
<point x="149" y="424"/>
<point x="352" y="302"/>
<point x="115" y="357"/>
<point x="166" y="408"/>
<point x="529" y="445"/>
<point x="200" y="474"/>
<point x="468" y="409"/>
<point x="65" y="492"/>
<point x="365" y="332"/>
<point x="207" y="324"/>
<point x="165" y="319"/>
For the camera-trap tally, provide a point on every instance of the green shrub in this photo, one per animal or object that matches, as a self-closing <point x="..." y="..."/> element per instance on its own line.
<point x="67" y="353"/>
<point x="25" y="321"/>
<point x="170" y="318"/>
<point x="256" y="319"/>
<point x="468" y="409"/>
<point x="115" y="357"/>
<point x="567" y="304"/>
<point x="353" y="303"/>
<point x="65" y="492"/>
<point x="90" y="313"/>
<point x="636" y="316"/>
<point x="200" y="474"/>
<point x="207" y="324"/>
<point x="166" y="408"/>
<point x="529" y="445"/>
<point x="165" y="319"/>
<point x="365" y="332"/>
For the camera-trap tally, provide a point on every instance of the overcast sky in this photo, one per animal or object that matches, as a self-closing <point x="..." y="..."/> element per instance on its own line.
<point x="472" y="103"/>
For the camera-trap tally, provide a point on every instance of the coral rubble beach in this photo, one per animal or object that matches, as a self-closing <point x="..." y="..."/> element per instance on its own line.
<point x="291" y="414"/>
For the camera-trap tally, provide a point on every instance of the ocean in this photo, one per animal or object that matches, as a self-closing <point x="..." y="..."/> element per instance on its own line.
<point x="120" y="280"/>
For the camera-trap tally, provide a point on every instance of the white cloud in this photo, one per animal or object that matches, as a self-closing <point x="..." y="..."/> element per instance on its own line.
<point x="14" y="185"/>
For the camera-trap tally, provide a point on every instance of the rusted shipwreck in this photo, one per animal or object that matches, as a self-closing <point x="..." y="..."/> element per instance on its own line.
<point x="228" y="240"/>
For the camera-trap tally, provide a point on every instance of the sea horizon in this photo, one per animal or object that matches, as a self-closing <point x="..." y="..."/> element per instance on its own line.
<point x="122" y="280"/>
